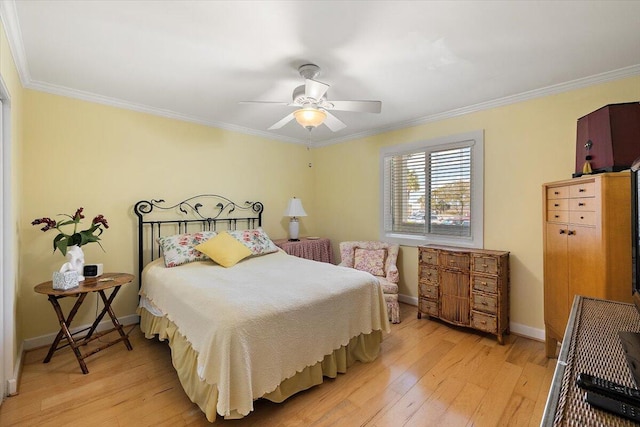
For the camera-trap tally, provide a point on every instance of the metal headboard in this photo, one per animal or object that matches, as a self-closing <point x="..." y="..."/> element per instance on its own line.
<point x="205" y="212"/>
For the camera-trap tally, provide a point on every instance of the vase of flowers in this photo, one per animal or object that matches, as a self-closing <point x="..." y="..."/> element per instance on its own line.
<point x="70" y="243"/>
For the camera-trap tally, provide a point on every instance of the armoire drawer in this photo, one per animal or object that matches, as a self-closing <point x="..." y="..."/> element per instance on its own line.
<point x="585" y="189"/>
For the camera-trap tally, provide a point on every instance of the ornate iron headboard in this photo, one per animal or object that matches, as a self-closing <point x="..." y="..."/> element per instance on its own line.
<point x="206" y="212"/>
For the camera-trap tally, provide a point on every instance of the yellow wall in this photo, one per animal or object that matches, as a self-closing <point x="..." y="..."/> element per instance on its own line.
<point x="105" y="159"/>
<point x="526" y="144"/>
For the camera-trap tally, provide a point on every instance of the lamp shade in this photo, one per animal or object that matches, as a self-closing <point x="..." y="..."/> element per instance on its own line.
<point x="309" y="117"/>
<point x="295" y="208"/>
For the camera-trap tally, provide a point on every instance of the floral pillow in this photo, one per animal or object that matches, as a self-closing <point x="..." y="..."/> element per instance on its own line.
<point x="180" y="248"/>
<point x="256" y="240"/>
<point x="370" y="260"/>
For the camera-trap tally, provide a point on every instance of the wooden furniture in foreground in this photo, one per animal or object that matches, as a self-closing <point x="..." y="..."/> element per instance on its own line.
<point x="94" y="284"/>
<point x="315" y="249"/>
<point x="587" y="245"/>
<point x="591" y="346"/>
<point x="465" y="287"/>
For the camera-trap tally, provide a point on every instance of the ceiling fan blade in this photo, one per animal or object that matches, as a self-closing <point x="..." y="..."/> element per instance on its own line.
<point x="333" y="122"/>
<point x="315" y="89"/>
<point x="282" y="122"/>
<point x="358" y="106"/>
<point x="264" y="102"/>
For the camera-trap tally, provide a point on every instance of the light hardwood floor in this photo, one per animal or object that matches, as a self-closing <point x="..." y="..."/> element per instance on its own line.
<point x="428" y="374"/>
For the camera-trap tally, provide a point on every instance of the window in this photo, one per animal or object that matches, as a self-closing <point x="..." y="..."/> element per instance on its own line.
<point x="432" y="191"/>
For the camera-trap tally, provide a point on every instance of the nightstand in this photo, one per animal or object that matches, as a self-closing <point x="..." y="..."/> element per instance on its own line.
<point x="95" y="284"/>
<point x="314" y="249"/>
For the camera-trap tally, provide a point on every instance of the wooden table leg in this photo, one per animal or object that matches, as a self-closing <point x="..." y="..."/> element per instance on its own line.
<point x="107" y="308"/>
<point x="64" y="331"/>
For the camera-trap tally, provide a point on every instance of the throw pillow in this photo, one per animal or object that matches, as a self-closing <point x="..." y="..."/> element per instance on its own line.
<point x="370" y="260"/>
<point x="224" y="249"/>
<point x="180" y="248"/>
<point x="256" y="240"/>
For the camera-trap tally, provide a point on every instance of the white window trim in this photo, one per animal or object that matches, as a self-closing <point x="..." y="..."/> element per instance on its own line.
<point x="476" y="240"/>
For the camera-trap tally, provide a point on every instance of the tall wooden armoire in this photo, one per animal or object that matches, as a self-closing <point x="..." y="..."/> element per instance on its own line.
<point x="587" y="245"/>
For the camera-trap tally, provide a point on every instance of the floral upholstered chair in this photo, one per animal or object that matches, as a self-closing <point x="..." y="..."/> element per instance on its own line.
<point x="379" y="259"/>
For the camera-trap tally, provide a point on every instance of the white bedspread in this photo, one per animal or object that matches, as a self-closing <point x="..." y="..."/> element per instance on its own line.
<point x="258" y="323"/>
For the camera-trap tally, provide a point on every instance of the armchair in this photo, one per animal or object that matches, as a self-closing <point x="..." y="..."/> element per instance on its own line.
<point x="379" y="259"/>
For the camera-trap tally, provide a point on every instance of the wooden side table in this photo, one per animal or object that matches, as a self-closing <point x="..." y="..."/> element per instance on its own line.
<point x="315" y="249"/>
<point x="95" y="284"/>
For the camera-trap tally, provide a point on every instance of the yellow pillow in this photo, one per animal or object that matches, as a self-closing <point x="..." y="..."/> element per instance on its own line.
<point x="224" y="249"/>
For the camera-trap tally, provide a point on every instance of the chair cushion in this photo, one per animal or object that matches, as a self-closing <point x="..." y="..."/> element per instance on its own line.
<point x="370" y="260"/>
<point x="387" y="286"/>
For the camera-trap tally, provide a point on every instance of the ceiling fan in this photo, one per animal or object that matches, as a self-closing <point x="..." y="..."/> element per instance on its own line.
<point x="313" y="106"/>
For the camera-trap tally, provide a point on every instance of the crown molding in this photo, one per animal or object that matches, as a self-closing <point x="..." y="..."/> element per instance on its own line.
<point x="621" y="73"/>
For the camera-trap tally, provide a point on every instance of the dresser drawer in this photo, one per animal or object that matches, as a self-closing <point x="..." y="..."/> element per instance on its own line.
<point x="488" y="265"/>
<point x="583" y="204"/>
<point x="582" y="218"/>
<point x="558" y="216"/>
<point x="484" y="322"/>
<point x="485" y="284"/>
<point x="428" y="290"/>
<point x="586" y="189"/>
<point x="429" y="274"/>
<point x="429" y="257"/>
<point x="558" y="205"/>
<point x="428" y="306"/>
<point x="557" y="193"/>
<point x="485" y="303"/>
<point x="454" y="260"/>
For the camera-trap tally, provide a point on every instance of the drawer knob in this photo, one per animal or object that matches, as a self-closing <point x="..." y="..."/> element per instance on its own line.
<point x="556" y="192"/>
<point x="581" y="190"/>
<point x="580" y="204"/>
<point x="571" y="232"/>
<point x="484" y="322"/>
<point x="563" y="231"/>
<point x="484" y="303"/>
<point x="556" y="216"/>
<point x="581" y="217"/>
<point x="556" y="204"/>
<point x="485" y="265"/>
<point x="483" y="283"/>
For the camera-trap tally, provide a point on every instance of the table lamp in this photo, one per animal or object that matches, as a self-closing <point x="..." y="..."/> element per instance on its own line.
<point x="294" y="210"/>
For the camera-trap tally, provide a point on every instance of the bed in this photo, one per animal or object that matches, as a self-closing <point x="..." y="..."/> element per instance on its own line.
<point x="267" y="326"/>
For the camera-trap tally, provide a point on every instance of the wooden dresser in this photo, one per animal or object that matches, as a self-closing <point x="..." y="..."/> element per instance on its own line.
<point x="587" y="245"/>
<point x="465" y="287"/>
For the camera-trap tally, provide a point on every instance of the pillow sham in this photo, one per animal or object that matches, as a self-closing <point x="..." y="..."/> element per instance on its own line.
<point x="180" y="248"/>
<point x="256" y="240"/>
<point x="370" y="260"/>
<point x="224" y="249"/>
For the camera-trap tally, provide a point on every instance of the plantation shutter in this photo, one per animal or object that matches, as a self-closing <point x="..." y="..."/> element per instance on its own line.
<point x="428" y="192"/>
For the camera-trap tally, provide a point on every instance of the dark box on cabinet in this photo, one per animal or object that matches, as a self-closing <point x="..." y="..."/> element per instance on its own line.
<point x="614" y="132"/>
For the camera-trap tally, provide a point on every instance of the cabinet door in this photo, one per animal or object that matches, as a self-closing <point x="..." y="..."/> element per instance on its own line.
<point x="585" y="262"/>
<point x="454" y="297"/>
<point x="556" y="278"/>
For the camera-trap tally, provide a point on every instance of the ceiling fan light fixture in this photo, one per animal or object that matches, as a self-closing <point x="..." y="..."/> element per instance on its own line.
<point x="309" y="117"/>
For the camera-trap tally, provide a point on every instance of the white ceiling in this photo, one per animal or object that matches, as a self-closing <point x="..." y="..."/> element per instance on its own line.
<point x="196" y="60"/>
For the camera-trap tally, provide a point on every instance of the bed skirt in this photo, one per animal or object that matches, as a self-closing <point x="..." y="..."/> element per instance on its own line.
<point x="363" y="348"/>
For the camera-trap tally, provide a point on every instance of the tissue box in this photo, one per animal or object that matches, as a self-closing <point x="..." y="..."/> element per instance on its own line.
<point x="66" y="280"/>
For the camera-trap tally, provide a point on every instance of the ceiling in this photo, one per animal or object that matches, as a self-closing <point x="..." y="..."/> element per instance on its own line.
<point x="196" y="60"/>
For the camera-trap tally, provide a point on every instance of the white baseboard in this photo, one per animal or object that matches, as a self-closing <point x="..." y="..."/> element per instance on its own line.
<point x="12" y="383"/>
<point x="46" y="340"/>
<point x="516" y="328"/>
